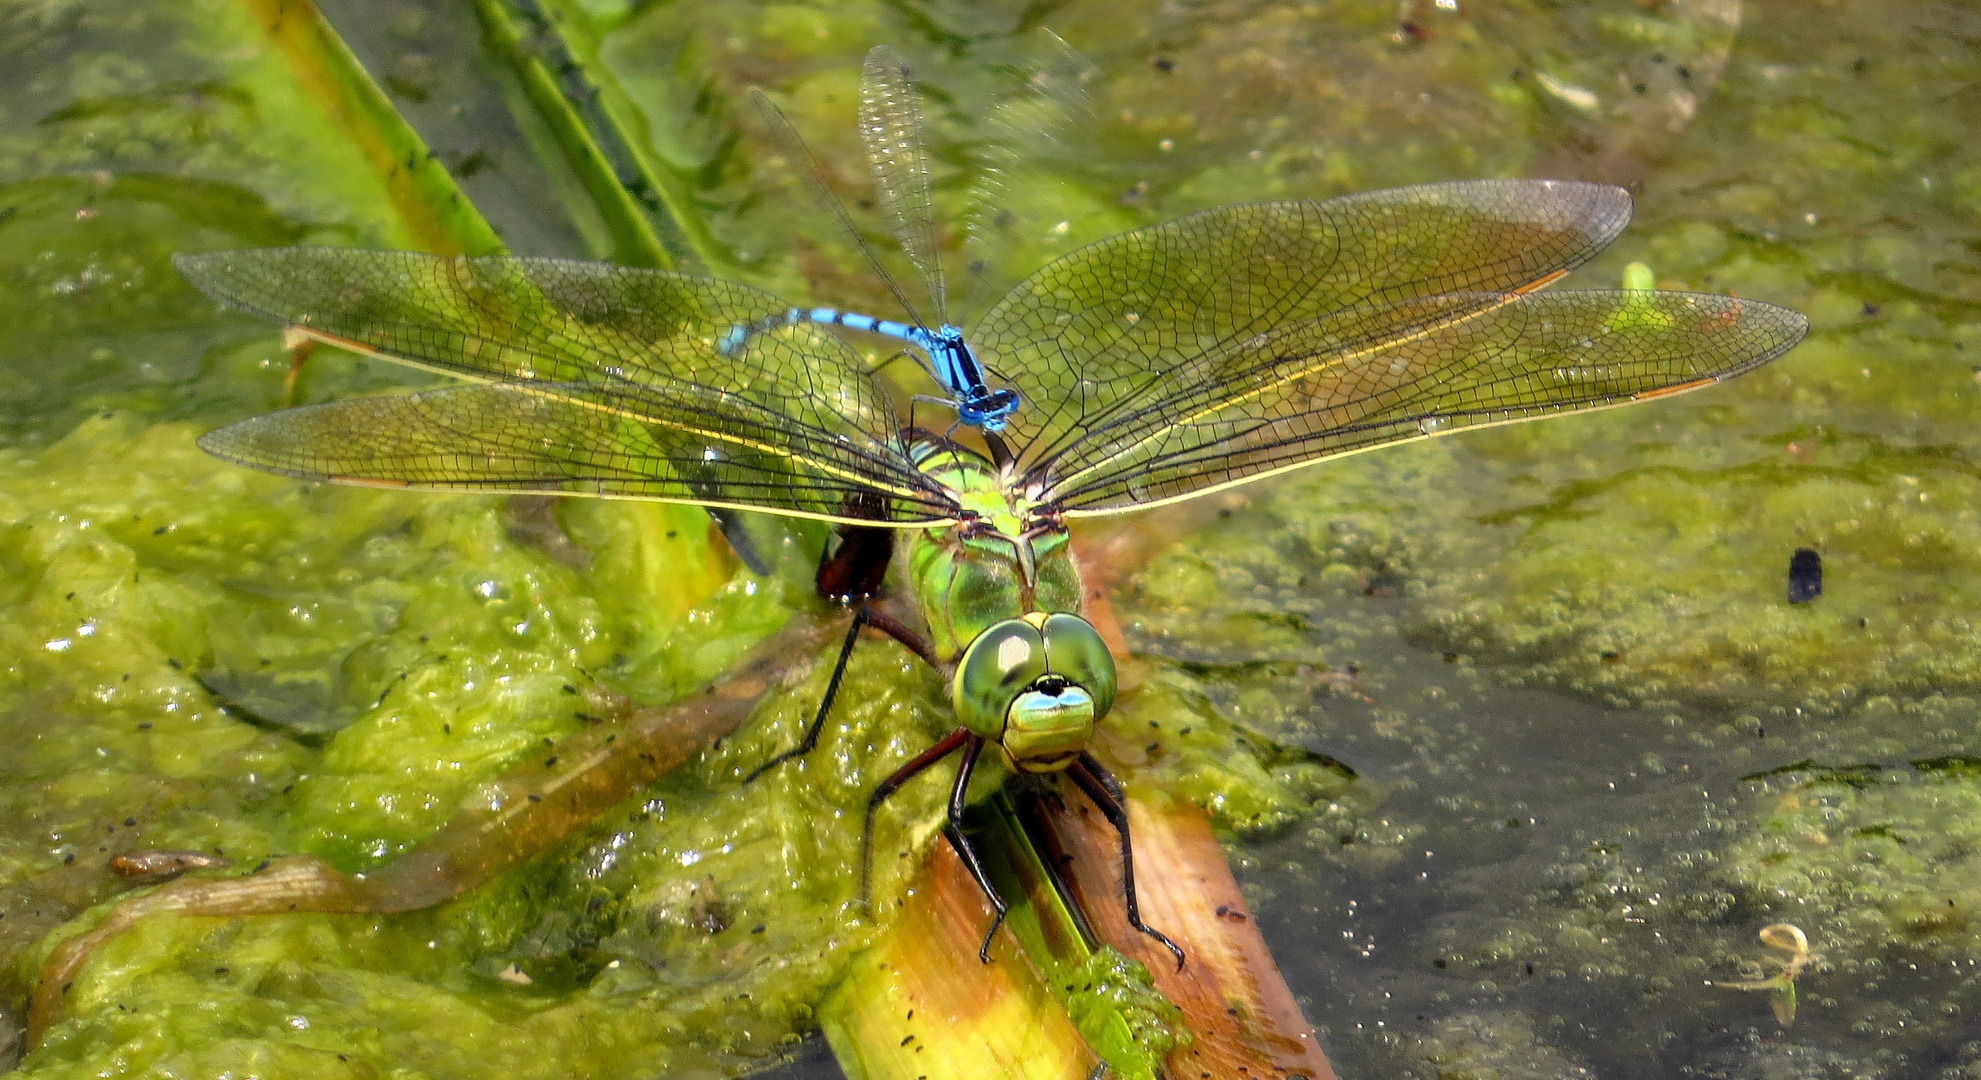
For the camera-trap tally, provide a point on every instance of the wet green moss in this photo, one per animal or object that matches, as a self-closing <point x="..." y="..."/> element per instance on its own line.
<point x="1867" y="861"/>
<point x="444" y="644"/>
<point x="1110" y="986"/>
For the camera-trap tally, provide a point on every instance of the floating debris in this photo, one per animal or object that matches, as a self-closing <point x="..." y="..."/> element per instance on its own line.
<point x="153" y="864"/>
<point x="1805" y="576"/>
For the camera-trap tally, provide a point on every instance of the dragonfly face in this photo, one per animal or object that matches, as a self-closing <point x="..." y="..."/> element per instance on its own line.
<point x="1035" y="685"/>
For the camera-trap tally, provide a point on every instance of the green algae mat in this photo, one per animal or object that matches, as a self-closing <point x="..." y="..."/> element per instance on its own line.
<point x="1595" y="749"/>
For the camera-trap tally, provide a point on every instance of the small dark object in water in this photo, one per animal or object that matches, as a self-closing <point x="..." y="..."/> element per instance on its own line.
<point x="1805" y="576"/>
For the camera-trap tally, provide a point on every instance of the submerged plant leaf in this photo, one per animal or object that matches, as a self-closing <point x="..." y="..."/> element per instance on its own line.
<point x="1111" y="999"/>
<point x="304" y="706"/>
<point x="423" y="193"/>
<point x="920" y="1003"/>
<point x="1242" y="1017"/>
<point x="647" y="209"/>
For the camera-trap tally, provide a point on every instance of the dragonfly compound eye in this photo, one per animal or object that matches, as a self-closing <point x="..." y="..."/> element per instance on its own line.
<point x="1076" y="653"/>
<point x="998" y="666"/>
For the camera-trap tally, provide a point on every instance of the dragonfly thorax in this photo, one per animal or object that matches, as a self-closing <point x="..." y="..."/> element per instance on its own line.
<point x="1003" y="560"/>
<point x="982" y="493"/>
<point x="1031" y="674"/>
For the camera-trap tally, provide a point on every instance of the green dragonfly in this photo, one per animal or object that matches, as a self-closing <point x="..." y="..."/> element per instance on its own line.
<point x="1158" y="365"/>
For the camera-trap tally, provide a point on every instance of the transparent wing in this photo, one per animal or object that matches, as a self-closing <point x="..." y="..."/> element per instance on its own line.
<point x="594" y="333"/>
<point x="544" y="438"/>
<point x="891" y="129"/>
<point x="1110" y="329"/>
<point x="1364" y="378"/>
<point x="785" y="134"/>
<point x="1031" y="139"/>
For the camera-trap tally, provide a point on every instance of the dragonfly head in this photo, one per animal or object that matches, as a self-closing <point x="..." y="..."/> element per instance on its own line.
<point x="1035" y="685"/>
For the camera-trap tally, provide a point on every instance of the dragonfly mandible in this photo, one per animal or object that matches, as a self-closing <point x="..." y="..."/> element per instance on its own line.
<point x="1157" y="365"/>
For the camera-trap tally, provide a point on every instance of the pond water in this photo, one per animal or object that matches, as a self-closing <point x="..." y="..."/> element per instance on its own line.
<point x="1597" y="750"/>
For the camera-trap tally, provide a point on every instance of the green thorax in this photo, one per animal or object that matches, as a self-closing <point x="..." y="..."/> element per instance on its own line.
<point x="1000" y="565"/>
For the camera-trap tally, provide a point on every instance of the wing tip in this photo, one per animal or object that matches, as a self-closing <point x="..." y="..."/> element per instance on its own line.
<point x="238" y="444"/>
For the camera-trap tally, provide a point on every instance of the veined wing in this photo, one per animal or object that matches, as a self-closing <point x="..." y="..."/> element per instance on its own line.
<point x="891" y="130"/>
<point x="1106" y="331"/>
<point x="563" y="321"/>
<point x="1036" y="132"/>
<point x="546" y="438"/>
<point x="644" y="339"/>
<point x="1333" y="386"/>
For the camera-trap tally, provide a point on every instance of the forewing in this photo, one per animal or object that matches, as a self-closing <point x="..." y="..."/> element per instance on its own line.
<point x="547" y="320"/>
<point x="891" y="130"/>
<point x="566" y="440"/>
<point x="1333" y="386"/>
<point x="1109" y="329"/>
<point x="644" y="338"/>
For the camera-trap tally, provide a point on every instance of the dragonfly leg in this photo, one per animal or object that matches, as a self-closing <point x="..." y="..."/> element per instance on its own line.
<point x="1102" y="788"/>
<point x="958" y="802"/>
<point x="899" y="631"/>
<point x="942" y="749"/>
<point x="860" y="619"/>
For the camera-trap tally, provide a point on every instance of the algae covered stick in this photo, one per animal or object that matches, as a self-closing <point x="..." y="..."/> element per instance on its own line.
<point x="1160" y="365"/>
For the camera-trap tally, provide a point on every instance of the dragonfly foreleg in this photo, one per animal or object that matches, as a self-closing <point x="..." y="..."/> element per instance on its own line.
<point x="1102" y="788"/>
<point x="811" y="739"/>
<point x="889" y="786"/>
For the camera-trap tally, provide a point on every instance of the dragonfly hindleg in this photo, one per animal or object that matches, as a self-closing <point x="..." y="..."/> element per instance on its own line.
<point x="1102" y="788"/>
<point x="959" y="797"/>
<point x="915" y="765"/>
